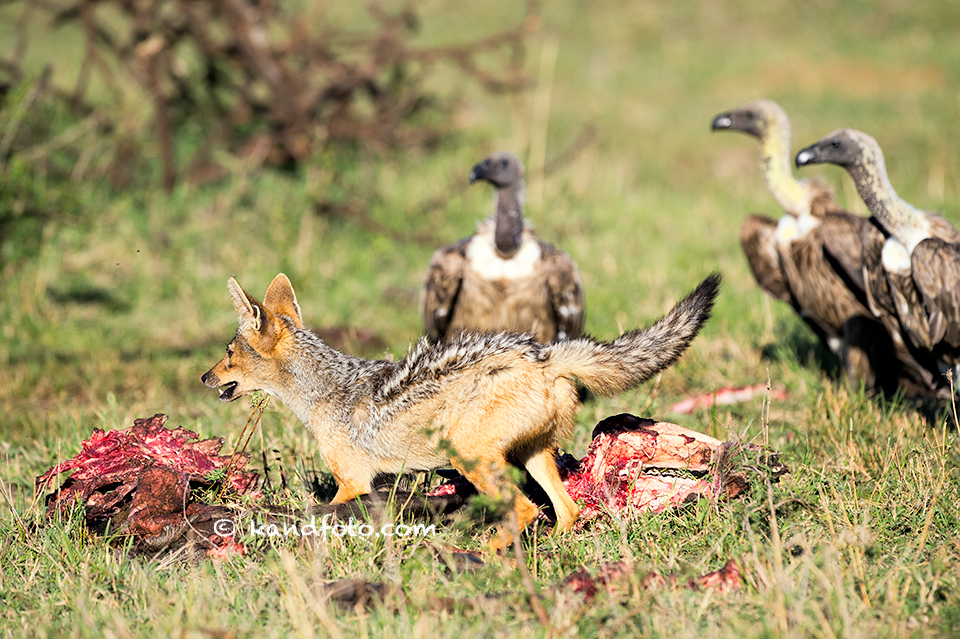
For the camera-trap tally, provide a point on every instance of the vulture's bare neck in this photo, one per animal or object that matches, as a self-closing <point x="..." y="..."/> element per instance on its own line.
<point x="508" y="202"/>
<point x="775" y="165"/>
<point x="898" y="217"/>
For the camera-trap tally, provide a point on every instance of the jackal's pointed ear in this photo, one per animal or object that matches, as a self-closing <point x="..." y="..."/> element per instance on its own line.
<point x="249" y="310"/>
<point x="281" y="300"/>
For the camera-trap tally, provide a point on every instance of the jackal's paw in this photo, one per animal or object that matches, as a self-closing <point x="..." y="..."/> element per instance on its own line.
<point x="501" y="544"/>
<point x="566" y="520"/>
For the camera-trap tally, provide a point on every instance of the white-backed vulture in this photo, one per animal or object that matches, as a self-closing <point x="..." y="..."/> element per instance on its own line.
<point x="803" y="259"/>
<point x="919" y="267"/>
<point x="503" y="277"/>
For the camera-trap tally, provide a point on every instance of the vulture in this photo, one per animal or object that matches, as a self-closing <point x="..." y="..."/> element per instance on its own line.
<point x="810" y="257"/>
<point x="917" y="278"/>
<point x="503" y="278"/>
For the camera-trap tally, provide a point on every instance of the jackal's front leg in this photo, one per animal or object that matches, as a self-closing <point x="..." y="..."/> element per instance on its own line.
<point x="347" y="493"/>
<point x="350" y="485"/>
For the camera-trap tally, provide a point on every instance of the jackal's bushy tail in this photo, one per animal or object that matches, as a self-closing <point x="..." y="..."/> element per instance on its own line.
<point x="608" y="368"/>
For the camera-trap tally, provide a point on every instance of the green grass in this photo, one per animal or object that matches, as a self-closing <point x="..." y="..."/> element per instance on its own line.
<point x="116" y="317"/>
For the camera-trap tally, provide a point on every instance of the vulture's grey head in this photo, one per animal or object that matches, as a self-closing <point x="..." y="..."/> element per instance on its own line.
<point x="756" y="118"/>
<point x="843" y="147"/>
<point x="501" y="169"/>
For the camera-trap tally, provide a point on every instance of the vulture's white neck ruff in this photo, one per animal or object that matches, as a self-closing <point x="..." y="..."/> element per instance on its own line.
<point x="485" y="260"/>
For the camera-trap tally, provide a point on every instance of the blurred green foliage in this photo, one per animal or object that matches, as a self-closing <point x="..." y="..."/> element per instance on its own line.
<point x="35" y="187"/>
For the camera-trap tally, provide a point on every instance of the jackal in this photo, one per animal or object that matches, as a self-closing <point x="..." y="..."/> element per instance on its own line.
<point x="472" y="402"/>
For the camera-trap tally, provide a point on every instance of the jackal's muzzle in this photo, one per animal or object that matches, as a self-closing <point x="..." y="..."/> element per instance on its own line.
<point x="227" y="391"/>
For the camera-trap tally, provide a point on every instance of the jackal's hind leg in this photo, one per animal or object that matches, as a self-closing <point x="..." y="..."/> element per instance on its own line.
<point x="542" y="466"/>
<point x="484" y="474"/>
